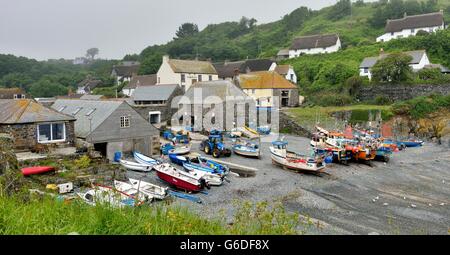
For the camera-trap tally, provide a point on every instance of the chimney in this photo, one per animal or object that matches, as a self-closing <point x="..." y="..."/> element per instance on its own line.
<point x="165" y="58"/>
<point x="405" y="15"/>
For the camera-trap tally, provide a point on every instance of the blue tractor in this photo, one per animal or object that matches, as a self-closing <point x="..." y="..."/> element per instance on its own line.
<point x="214" y="145"/>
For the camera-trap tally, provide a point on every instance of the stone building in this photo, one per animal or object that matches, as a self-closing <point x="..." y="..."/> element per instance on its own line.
<point x="111" y="126"/>
<point x="30" y="124"/>
<point x="153" y="102"/>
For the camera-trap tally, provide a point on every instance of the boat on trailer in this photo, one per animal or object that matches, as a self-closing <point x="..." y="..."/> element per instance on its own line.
<point x="180" y="179"/>
<point x="135" y="166"/>
<point x="292" y="160"/>
<point x="145" y="160"/>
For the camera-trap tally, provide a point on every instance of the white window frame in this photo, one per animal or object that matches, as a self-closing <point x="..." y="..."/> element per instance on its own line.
<point x="51" y="133"/>
<point x="154" y="113"/>
<point x="124" y="120"/>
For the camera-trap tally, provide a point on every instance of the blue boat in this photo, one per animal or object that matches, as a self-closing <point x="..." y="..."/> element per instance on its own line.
<point x="383" y="154"/>
<point x="263" y="130"/>
<point x="247" y="150"/>
<point x="199" y="163"/>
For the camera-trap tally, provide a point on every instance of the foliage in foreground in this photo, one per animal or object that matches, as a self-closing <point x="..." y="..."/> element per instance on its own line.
<point x="46" y="215"/>
<point x="420" y="107"/>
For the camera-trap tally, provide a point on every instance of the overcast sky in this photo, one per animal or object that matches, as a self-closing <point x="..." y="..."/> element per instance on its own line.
<point x="44" y="29"/>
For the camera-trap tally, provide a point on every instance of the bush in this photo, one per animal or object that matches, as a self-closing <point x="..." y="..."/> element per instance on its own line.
<point x="382" y="100"/>
<point x="329" y="99"/>
<point x="354" y="84"/>
<point x="419" y="107"/>
<point x="83" y="162"/>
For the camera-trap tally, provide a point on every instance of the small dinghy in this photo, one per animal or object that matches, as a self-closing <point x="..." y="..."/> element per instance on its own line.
<point x="247" y="149"/>
<point x="145" y="160"/>
<point x="135" y="166"/>
<point x="413" y="143"/>
<point x="149" y="189"/>
<point x="108" y="195"/>
<point x="211" y="178"/>
<point x="291" y="160"/>
<point x="27" y="171"/>
<point x="180" y="179"/>
<point x="177" y="149"/>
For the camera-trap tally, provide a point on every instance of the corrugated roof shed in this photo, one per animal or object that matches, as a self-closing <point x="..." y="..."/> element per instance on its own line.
<point x="416" y="21"/>
<point x="154" y="93"/>
<point x="88" y="114"/>
<point x="21" y="111"/>
<point x="264" y="80"/>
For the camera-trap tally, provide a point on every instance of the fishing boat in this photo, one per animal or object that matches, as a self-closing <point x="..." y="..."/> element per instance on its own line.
<point x="361" y="153"/>
<point x="291" y="160"/>
<point x="247" y="149"/>
<point x="27" y="171"/>
<point x="179" y="149"/>
<point x="383" y="154"/>
<point x="144" y="160"/>
<point x="128" y="189"/>
<point x="212" y="179"/>
<point x="135" y="166"/>
<point x="180" y="179"/>
<point x="199" y="163"/>
<point x="263" y="130"/>
<point x="412" y="143"/>
<point x="148" y="188"/>
<point x="107" y="195"/>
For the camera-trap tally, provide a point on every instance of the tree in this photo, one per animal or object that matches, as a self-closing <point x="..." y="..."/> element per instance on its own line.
<point x="186" y="30"/>
<point x="90" y="53"/>
<point x="46" y="88"/>
<point x="393" y="68"/>
<point x="340" y="9"/>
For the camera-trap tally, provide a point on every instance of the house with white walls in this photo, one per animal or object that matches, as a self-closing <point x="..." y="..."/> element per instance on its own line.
<point x="287" y="71"/>
<point x="137" y="81"/>
<point x="185" y="72"/>
<point x="411" y="25"/>
<point x="123" y="73"/>
<point x="229" y="70"/>
<point x="418" y="62"/>
<point x="314" y="44"/>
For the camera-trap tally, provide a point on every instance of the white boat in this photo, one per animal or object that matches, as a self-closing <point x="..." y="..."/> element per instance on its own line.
<point x="210" y="178"/>
<point x="128" y="188"/>
<point x="247" y="150"/>
<point x="149" y="189"/>
<point x="292" y="160"/>
<point x="108" y="195"/>
<point x="145" y="160"/>
<point x="135" y="166"/>
<point x="180" y="149"/>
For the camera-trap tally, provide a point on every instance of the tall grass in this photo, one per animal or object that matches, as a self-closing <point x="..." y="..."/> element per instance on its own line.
<point x="47" y="215"/>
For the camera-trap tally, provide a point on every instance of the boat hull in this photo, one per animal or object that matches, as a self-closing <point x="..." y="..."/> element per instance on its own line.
<point x="247" y="153"/>
<point x="179" y="183"/>
<point x="27" y="171"/>
<point x="136" y="166"/>
<point x="298" y="166"/>
<point x="142" y="159"/>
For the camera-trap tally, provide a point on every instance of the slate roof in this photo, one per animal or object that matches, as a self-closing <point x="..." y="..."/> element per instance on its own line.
<point x="314" y="41"/>
<point x="282" y="69"/>
<point x="192" y="66"/>
<point x="415" y="21"/>
<point x="84" y="126"/>
<point x="89" y="83"/>
<point x="141" y="80"/>
<point x="91" y="97"/>
<point x="154" y="93"/>
<point x="371" y="61"/>
<point x="441" y="67"/>
<point x="264" y="80"/>
<point x="8" y="93"/>
<point x="21" y="111"/>
<point x="220" y="89"/>
<point x="228" y="69"/>
<point x="127" y="71"/>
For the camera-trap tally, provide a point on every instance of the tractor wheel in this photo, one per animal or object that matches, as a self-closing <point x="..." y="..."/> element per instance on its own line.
<point x="216" y="153"/>
<point x="207" y="149"/>
<point x="228" y="154"/>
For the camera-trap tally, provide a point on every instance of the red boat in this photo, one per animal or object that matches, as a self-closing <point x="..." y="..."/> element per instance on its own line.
<point x="37" y="170"/>
<point x="180" y="179"/>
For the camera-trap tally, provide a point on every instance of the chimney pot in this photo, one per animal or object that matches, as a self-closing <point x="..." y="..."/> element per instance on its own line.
<point x="165" y="58"/>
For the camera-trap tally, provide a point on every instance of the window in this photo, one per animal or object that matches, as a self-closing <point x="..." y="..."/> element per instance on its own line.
<point x="292" y="77"/>
<point x="183" y="78"/>
<point x="52" y="132"/>
<point x="199" y="77"/>
<point x="392" y="33"/>
<point x="77" y="110"/>
<point x="366" y="69"/>
<point x="253" y="91"/>
<point x="19" y="96"/>
<point x="124" y="121"/>
<point x="159" y="80"/>
<point x="210" y="77"/>
<point x="412" y="31"/>
<point x="90" y="112"/>
<point x="154" y="117"/>
<point x="431" y="30"/>
<point x="285" y="93"/>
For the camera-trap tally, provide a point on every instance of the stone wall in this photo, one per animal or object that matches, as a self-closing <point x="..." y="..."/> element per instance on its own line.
<point x="401" y="92"/>
<point x="25" y="135"/>
<point x="289" y="124"/>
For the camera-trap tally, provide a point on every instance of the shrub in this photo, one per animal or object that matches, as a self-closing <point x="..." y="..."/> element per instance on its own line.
<point x="82" y="162"/>
<point x="353" y="85"/>
<point x="382" y="100"/>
